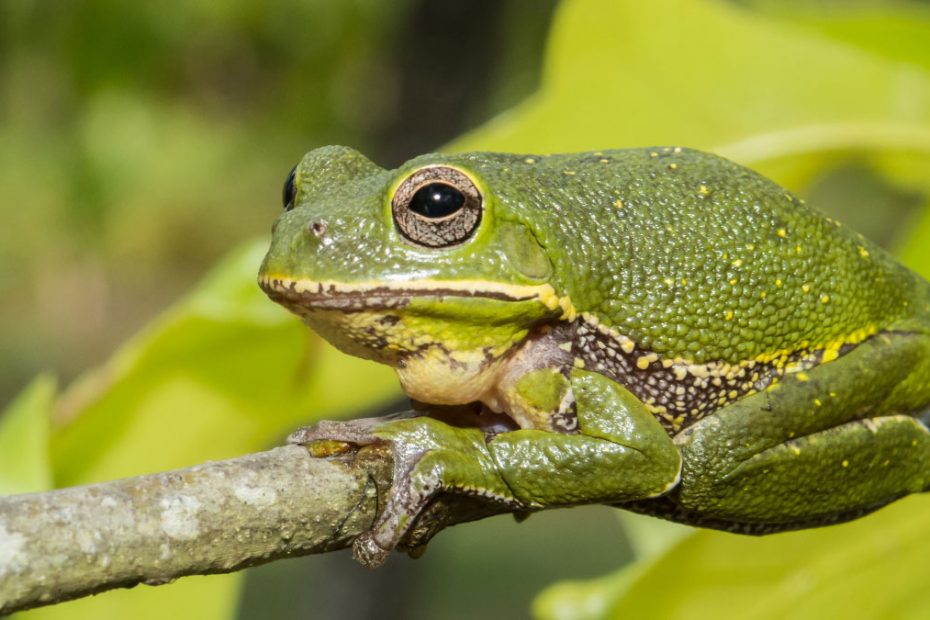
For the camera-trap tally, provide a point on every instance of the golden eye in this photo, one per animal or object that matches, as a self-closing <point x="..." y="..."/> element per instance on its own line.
<point x="437" y="207"/>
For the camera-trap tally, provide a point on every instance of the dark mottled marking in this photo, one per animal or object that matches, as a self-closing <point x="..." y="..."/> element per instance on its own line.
<point x="681" y="394"/>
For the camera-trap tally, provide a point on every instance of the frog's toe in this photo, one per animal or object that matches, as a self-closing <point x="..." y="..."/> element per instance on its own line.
<point x="368" y="552"/>
<point x="356" y="432"/>
<point x="359" y="432"/>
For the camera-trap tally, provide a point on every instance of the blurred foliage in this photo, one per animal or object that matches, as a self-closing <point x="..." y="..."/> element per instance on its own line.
<point x="136" y="142"/>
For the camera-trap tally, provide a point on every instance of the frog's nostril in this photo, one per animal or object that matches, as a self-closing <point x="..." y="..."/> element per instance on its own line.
<point x="317" y="228"/>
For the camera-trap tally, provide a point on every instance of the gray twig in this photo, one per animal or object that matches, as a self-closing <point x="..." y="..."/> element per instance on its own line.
<point x="213" y="518"/>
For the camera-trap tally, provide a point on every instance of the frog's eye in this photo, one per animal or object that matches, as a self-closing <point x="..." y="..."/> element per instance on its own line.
<point x="290" y="190"/>
<point x="437" y="207"/>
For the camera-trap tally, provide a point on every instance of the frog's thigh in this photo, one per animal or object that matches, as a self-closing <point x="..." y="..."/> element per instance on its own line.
<point x="804" y="452"/>
<point x="620" y="453"/>
<point x="842" y="470"/>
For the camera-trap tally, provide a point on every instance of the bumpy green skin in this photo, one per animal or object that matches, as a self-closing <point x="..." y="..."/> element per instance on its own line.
<point x="671" y="332"/>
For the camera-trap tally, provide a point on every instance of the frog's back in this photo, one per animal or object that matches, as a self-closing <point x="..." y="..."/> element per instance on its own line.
<point x="693" y="256"/>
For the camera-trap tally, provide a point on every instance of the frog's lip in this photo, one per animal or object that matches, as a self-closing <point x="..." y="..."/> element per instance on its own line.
<point x="358" y="296"/>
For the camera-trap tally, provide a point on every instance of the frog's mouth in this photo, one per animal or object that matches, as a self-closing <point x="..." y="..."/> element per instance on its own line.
<point x="297" y="295"/>
<point x="446" y="339"/>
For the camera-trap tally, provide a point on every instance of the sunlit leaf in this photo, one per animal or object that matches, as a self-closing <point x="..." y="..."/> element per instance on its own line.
<point x="24" y="459"/>
<point x="711" y="75"/>
<point x="870" y="568"/>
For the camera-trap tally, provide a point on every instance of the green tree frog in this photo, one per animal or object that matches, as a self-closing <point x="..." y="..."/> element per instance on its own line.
<point x="658" y="329"/>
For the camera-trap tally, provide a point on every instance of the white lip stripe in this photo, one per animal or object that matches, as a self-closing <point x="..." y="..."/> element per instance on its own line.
<point x="469" y="287"/>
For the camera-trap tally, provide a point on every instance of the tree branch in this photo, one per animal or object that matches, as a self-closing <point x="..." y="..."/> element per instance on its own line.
<point x="213" y="518"/>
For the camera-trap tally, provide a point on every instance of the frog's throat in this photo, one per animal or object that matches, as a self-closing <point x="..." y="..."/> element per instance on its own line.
<point x="452" y="354"/>
<point x="385" y="294"/>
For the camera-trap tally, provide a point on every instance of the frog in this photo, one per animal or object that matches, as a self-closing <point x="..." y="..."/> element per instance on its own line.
<point x="657" y="329"/>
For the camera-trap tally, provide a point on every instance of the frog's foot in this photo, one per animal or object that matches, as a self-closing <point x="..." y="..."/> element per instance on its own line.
<point x="430" y="457"/>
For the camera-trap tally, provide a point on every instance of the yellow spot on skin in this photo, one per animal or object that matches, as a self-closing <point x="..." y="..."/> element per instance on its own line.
<point x="604" y="161"/>
<point x="676" y="150"/>
<point x="845" y="463"/>
<point x="570" y="173"/>
<point x="778" y="282"/>
<point x="817" y="402"/>
<point x="733" y="282"/>
<point x="737" y="263"/>
<point x="530" y="160"/>
<point x="750" y="246"/>
<point x="729" y="316"/>
<point x="669" y="281"/>
<point x="806" y="288"/>
<point x="618" y="203"/>
<point x="797" y="249"/>
<point x="829" y="355"/>
<point x="703" y="190"/>
<point x="579" y="363"/>
<point x="673" y="166"/>
<point x="642" y="363"/>
<point x="824" y="299"/>
<point x="802" y="376"/>
<point x="863" y="252"/>
<point x="684" y="281"/>
<point x="763" y="295"/>
<point x="653" y="154"/>
<point x="627" y="345"/>
<point x="781" y="232"/>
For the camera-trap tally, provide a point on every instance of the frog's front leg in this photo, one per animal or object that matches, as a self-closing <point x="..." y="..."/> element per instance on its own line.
<point x="619" y="452"/>
<point x="823" y="446"/>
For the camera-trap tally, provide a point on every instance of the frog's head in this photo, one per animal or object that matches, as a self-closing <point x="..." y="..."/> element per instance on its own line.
<point x="423" y="268"/>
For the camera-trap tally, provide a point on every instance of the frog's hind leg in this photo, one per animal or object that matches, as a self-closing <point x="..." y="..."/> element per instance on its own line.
<point x="826" y="445"/>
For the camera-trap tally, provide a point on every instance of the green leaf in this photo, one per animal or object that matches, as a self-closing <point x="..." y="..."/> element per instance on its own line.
<point x="708" y="74"/>
<point x="870" y="568"/>
<point x="915" y="251"/>
<point x="898" y="30"/>
<point x="24" y="462"/>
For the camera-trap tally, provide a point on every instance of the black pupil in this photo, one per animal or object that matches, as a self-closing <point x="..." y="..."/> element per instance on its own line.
<point x="290" y="191"/>
<point x="437" y="200"/>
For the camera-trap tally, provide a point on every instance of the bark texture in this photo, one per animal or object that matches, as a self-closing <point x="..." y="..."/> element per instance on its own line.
<point x="213" y="518"/>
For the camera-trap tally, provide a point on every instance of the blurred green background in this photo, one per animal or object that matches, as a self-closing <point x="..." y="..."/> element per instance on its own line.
<point x="142" y="152"/>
